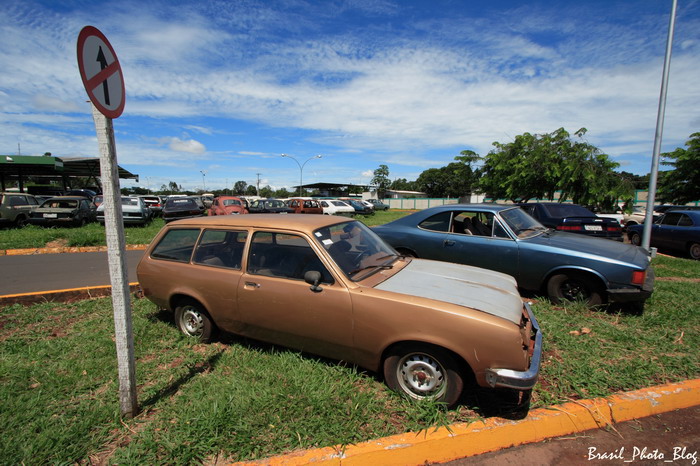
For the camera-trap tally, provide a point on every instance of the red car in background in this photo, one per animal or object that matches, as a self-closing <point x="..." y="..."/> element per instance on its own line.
<point x="305" y="206"/>
<point x="227" y="205"/>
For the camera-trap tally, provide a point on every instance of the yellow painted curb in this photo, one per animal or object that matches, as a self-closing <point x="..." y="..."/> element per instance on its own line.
<point x="462" y="440"/>
<point x="62" y="250"/>
<point x="67" y="295"/>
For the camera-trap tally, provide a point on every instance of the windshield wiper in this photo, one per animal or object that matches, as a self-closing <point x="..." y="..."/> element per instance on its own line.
<point x="368" y="267"/>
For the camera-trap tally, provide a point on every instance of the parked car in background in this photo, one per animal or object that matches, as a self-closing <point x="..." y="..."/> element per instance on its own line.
<point x="269" y="206"/>
<point x="360" y="208"/>
<point x="676" y="230"/>
<point x="329" y="286"/>
<point x="89" y="193"/>
<point x="16" y="208"/>
<point x="378" y="205"/>
<point x="97" y="200"/>
<point x="134" y="211"/>
<point x="154" y="203"/>
<point x="64" y="211"/>
<point x="573" y="218"/>
<point x="560" y="265"/>
<point x="336" y="207"/>
<point x="305" y="206"/>
<point x="227" y="205"/>
<point x="177" y="208"/>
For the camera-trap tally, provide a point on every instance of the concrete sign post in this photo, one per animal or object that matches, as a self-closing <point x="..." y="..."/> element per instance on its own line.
<point x="104" y="83"/>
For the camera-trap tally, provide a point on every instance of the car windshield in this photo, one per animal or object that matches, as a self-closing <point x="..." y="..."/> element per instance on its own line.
<point x="232" y="202"/>
<point x="129" y="201"/>
<point x="274" y="204"/>
<point x="339" y="203"/>
<point x="356" y="249"/>
<point x="522" y="224"/>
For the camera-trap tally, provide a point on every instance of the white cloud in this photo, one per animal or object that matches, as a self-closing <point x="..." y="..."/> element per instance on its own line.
<point x="190" y="145"/>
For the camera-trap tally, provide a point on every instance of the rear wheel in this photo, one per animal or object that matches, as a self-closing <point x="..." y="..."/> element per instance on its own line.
<point x="636" y="239"/>
<point x="193" y="321"/>
<point x="424" y="372"/>
<point x="694" y="251"/>
<point x="20" y="221"/>
<point x="573" y="286"/>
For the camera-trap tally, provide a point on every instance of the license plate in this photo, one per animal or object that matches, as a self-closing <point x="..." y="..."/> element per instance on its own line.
<point x="593" y="228"/>
<point x="50" y="215"/>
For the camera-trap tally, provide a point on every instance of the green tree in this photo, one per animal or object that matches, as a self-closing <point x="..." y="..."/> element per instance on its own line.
<point x="682" y="184"/>
<point x="540" y="166"/>
<point x="239" y="187"/>
<point x="381" y="180"/>
<point x="266" y="192"/>
<point x="457" y="179"/>
<point x="402" y="184"/>
<point x="250" y="191"/>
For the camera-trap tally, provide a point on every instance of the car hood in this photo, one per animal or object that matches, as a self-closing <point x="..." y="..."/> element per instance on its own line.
<point x="593" y="248"/>
<point x="481" y="289"/>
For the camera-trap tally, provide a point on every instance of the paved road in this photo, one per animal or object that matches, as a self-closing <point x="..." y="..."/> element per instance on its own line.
<point x="671" y="438"/>
<point x="47" y="272"/>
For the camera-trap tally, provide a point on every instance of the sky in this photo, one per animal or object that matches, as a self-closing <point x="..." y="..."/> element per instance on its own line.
<point x="216" y="91"/>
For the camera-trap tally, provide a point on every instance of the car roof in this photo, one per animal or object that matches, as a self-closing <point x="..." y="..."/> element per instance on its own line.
<point x="306" y="223"/>
<point x="485" y="207"/>
<point x="69" y="198"/>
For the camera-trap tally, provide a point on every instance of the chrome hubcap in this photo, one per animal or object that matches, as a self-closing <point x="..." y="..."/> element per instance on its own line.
<point x="192" y="322"/>
<point x="421" y="376"/>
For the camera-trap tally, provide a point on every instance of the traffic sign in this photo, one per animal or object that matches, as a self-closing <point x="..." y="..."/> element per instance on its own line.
<point x="101" y="73"/>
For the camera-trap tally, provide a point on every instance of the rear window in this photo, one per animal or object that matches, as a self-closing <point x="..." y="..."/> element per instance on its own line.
<point x="188" y="203"/>
<point x="568" y="210"/>
<point x="176" y="245"/>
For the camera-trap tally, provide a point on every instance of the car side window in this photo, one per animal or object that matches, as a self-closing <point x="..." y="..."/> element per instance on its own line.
<point x="685" y="221"/>
<point x="221" y="248"/>
<point x="671" y="219"/>
<point x="176" y="245"/>
<point x="276" y="254"/>
<point x="440" y="222"/>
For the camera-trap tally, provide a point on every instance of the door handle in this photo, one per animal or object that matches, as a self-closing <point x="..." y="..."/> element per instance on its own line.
<point x="252" y="284"/>
<point x="448" y="242"/>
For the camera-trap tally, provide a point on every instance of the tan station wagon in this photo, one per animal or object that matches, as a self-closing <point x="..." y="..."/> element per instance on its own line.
<point x="328" y="285"/>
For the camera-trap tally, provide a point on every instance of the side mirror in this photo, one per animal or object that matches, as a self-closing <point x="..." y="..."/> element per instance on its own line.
<point x="313" y="278"/>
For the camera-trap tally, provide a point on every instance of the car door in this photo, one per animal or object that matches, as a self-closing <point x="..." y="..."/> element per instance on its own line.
<point x="666" y="231"/>
<point x="472" y="238"/>
<point x="278" y="306"/>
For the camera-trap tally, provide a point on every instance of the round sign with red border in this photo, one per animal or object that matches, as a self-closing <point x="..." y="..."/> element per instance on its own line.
<point x="101" y="73"/>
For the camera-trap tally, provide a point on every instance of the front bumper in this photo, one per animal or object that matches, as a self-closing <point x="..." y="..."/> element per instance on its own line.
<point x="521" y="380"/>
<point x="629" y="295"/>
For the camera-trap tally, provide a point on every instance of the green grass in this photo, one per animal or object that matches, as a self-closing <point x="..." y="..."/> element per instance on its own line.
<point x="238" y="399"/>
<point x="93" y="234"/>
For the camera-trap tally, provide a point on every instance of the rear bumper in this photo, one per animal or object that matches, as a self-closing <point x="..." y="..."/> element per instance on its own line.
<point x="521" y="380"/>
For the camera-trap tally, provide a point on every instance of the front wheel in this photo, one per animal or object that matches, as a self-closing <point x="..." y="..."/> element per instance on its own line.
<point x="193" y="321"/>
<point x="424" y="372"/>
<point x="573" y="286"/>
<point x="694" y="251"/>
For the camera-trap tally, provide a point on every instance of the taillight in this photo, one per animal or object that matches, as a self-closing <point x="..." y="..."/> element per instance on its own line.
<point x="614" y="229"/>
<point x="638" y="277"/>
<point x="569" y="227"/>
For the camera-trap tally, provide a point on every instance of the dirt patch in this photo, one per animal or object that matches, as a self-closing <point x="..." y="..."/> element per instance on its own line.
<point x="678" y="279"/>
<point x="58" y="243"/>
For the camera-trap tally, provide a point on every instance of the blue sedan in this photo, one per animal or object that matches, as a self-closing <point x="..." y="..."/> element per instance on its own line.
<point x="563" y="266"/>
<point x="677" y="230"/>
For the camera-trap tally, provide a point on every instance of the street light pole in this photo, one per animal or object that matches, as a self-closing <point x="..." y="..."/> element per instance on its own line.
<point x="204" y="185"/>
<point x="301" y="168"/>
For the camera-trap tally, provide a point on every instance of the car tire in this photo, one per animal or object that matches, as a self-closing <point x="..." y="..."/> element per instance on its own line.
<point x="21" y="221"/>
<point x="636" y="239"/>
<point x="694" y="251"/>
<point x="193" y="321"/>
<point x="424" y="372"/>
<point x="572" y="286"/>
